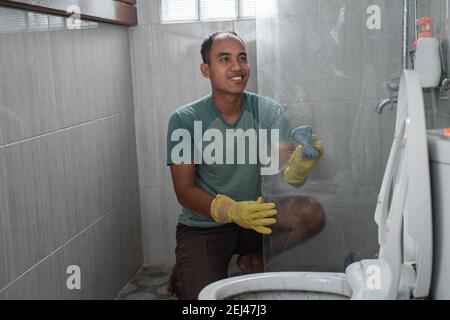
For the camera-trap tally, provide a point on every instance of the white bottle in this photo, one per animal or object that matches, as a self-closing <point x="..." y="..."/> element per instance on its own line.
<point x="427" y="62"/>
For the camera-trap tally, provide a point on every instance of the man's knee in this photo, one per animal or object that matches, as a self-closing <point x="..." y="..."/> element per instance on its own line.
<point x="313" y="215"/>
<point x="302" y="213"/>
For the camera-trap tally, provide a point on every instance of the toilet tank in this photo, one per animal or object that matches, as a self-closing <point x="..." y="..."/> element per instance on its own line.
<point x="439" y="150"/>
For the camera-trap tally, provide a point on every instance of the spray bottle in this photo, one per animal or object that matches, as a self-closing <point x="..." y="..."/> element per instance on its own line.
<point x="427" y="61"/>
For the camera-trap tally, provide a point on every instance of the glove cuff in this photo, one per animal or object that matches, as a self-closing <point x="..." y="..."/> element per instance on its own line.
<point x="293" y="178"/>
<point x="220" y="208"/>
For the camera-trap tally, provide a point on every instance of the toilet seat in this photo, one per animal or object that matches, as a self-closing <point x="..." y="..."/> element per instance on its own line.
<point x="316" y="282"/>
<point x="403" y="215"/>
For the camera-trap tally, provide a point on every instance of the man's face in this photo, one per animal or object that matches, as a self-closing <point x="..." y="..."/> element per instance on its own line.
<point x="228" y="69"/>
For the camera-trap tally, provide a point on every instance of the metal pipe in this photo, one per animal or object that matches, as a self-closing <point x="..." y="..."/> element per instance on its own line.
<point x="416" y="31"/>
<point x="384" y="103"/>
<point x="405" y="52"/>
<point x="393" y="89"/>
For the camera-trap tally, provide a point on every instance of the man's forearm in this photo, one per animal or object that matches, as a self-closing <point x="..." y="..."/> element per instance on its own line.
<point x="195" y="199"/>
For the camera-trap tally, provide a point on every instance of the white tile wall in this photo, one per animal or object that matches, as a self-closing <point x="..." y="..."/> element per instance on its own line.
<point x="67" y="159"/>
<point x="27" y="220"/>
<point x="166" y="63"/>
<point x="92" y="68"/>
<point x="5" y="237"/>
<point x="160" y="210"/>
<point x="104" y="251"/>
<point x="30" y="108"/>
<point x="166" y="75"/>
<point x="151" y="132"/>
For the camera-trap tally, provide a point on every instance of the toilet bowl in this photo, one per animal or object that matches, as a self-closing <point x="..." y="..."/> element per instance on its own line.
<point x="403" y="214"/>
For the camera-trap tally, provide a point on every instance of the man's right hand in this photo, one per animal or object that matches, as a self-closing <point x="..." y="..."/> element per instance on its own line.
<point x="248" y="214"/>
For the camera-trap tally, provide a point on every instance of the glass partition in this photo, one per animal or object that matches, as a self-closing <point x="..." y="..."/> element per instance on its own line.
<point x="330" y="63"/>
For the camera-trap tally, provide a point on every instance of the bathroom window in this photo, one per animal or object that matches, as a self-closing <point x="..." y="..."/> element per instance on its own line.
<point x="206" y="10"/>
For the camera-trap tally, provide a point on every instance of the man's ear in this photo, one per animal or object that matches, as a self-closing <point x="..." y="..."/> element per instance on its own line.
<point x="204" y="68"/>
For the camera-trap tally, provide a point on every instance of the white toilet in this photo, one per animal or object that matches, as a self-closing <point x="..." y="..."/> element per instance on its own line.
<point x="403" y="214"/>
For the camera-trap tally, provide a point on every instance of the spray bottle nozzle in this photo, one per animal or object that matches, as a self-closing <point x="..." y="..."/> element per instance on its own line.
<point x="426" y="31"/>
<point x="425" y="23"/>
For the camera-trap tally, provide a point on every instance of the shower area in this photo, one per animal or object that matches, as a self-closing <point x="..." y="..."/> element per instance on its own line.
<point x="334" y="65"/>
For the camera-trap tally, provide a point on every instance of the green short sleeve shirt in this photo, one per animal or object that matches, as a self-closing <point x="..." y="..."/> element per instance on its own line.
<point x="224" y="165"/>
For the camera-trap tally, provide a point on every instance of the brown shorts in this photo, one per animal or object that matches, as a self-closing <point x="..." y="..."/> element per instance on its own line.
<point x="203" y="255"/>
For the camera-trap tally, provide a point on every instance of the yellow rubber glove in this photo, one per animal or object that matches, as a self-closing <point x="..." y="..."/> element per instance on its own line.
<point x="254" y="215"/>
<point x="298" y="168"/>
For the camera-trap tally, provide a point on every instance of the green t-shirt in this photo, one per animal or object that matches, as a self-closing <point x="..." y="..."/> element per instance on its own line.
<point x="201" y="125"/>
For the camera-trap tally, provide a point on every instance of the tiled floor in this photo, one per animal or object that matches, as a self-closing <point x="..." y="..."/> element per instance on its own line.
<point x="150" y="284"/>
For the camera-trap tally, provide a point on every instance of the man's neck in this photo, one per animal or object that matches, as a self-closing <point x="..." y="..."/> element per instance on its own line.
<point x="228" y="105"/>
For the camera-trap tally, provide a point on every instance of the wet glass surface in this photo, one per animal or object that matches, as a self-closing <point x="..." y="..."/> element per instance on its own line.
<point x="329" y="70"/>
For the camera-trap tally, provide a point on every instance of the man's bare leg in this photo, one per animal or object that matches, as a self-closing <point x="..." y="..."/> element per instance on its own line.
<point x="299" y="219"/>
<point x="252" y="262"/>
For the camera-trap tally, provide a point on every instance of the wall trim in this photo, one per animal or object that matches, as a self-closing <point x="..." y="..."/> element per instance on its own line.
<point x="122" y="12"/>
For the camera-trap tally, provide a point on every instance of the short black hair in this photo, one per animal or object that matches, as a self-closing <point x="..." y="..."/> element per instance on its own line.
<point x="208" y="42"/>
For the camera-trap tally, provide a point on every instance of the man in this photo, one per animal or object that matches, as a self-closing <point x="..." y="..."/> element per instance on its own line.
<point x="222" y="209"/>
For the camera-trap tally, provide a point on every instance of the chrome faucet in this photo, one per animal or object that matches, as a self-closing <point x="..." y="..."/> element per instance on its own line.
<point x="392" y="86"/>
<point x="384" y="103"/>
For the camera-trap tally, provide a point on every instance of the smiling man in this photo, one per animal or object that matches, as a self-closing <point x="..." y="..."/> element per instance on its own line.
<point x="222" y="210"/>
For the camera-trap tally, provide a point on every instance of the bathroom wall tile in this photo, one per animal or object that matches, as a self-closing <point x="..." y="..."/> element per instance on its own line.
<point x="84" y="158"/>
<point x="151" y="126"/>
<point x="85" y="172"/>
<point x="117" y="76"/>
<point x="152" y="234"/>
<point x="164" y="74"/>
<point x="108" y="254"/>
<point x="246" y="29"/>
<point x="58" y="190"/>
<point x="28" y="228"/>
<point x="34" y="281"/>
<point x="130" y="257"/>
<point x="118" y="173"/>
<point x="76" y="74"/>
<point x="47" y="280"/>
<point x="54" y="186"/>
<point x="140" y="64"/>
<point x="132" y="169"/>
<point x="5" y="237"/>
<point x="105" y="236"/>
<point x="80" y="59"/>
<point x="130" y="151"/>
<point x="117" y="249"/>
<point x="81" y="251"/>
<point x="27" y="101"/>
<point x="159" y="214"/>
